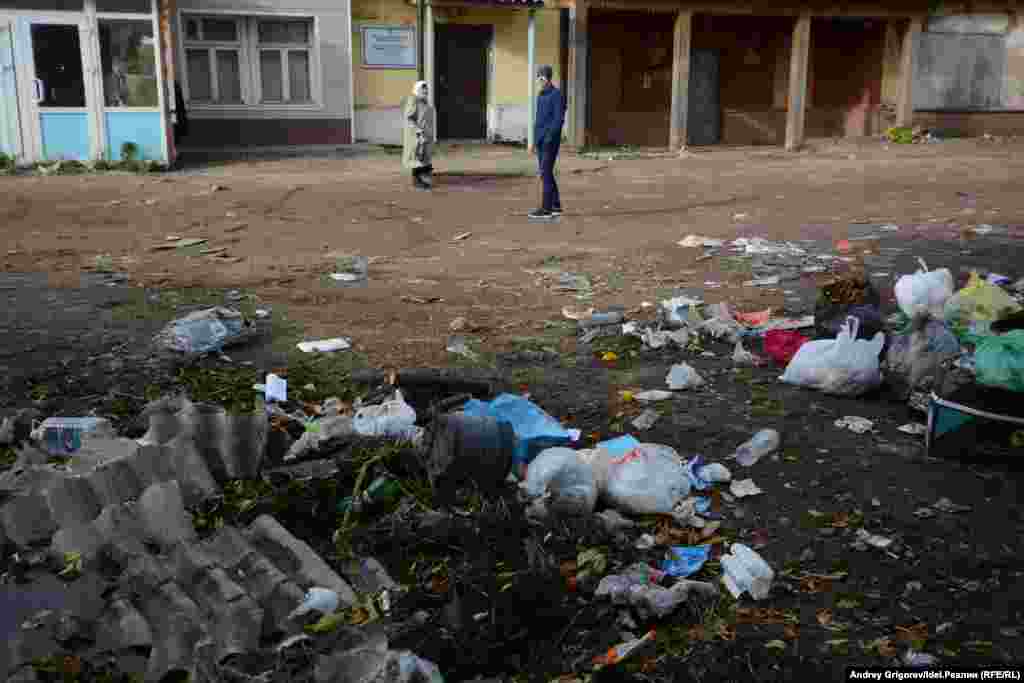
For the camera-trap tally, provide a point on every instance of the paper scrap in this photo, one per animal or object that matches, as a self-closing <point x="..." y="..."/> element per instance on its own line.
<point x="744" y="487"/>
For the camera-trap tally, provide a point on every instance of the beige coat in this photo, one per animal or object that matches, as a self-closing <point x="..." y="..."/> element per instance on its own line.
<point x="417" y="114"/>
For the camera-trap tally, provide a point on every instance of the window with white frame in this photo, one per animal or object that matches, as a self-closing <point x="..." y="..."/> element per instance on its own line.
<point x="249" y="60"/>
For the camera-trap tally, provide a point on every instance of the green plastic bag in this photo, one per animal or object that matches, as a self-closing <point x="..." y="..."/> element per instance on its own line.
<point x="999" y="361"/>
<point x="972" y="310"/>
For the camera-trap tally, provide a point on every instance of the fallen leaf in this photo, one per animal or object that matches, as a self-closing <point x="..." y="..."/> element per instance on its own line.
<point x="422" y="300"/>
<point x="883" y="646"/>
<point x="760" y="616"/>
<point x="775" y="645"/>
<point x="727" y="632"/>
<point x="824" y="617"/>
<point x="461" y="236"/>
<point x="912" y="634"/>
<point x="791" y="631"/>
<point x="848" y="603"/>
<point x="439" y="583"/>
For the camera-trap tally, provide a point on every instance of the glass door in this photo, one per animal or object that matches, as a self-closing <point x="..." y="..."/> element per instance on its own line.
<point x="10" y="126"/>
<point x="61" y="110"/>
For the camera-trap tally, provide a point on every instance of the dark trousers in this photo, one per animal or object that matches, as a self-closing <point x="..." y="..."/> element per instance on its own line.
<point x="547" y="154"/>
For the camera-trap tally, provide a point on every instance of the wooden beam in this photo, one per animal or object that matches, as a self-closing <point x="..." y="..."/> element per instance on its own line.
<point x="531" y="82"/>
<point x="796" y="107"/>
<point x="905" y="101"/>
<point x="578" y="89"/>
<point x="680" y="79"/>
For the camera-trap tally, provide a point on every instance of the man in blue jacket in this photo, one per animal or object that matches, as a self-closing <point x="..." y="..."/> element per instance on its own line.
<point x="547" y="137"/>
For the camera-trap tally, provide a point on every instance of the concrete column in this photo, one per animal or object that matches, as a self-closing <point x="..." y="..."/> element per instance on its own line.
<point x="531" y="61"/>
<point x="905" y="101"/>
<point x="428" y="56"/>
<point x="578" y="89"/>
<point x="680" y="79"/>
<point x="796" y="106"/>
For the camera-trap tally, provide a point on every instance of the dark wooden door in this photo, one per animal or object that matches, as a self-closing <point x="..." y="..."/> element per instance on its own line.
<point x="704" y="120"/>
<point x="461" y="87"/>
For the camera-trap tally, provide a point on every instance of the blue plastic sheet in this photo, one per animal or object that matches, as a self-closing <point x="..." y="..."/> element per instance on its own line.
<point x="686" y="560"/>
<point x="619" y="446"/>
<point x="535" y="430"/>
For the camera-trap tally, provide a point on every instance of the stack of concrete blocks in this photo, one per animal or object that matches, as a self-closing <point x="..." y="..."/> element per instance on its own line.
<point x="193" y="602"/>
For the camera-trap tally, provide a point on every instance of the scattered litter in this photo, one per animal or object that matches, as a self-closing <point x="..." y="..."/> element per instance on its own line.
<point x="276" y="388"/>
<point x="646" y="419"/>
<point x="678" y="309"/>
<point x="645" y="542"/>
<point x="740" y="356"/>
<point x="691" y="241"/>
<point x="322" y="600"/>
<point x="744" y="487"/>
<point x="782" y="345"/>
<point x="564" y="480"/>
<point x="653" y="396"/>
<point x="64" y="435"/>
<point x="763" y="282"/>
<point x="998" y="280"/>
<point x="345" y="277"/>
<point x="535" y="430"/>
<point x="395" y="419"/>
<point x="624" y="651"/>
<point x="914" y="429"/>
<point x="205" y="331"/>
<point x="422" y="300"/>
<point x="637" y="587"/>
<point x="857" y="425"/>
<point x="686" y="560"/>
<point x="179" y="244"/>
<point x="983" y="229"/>
<point x="261" y="313"/>
<point x="576" y="313"/>
<point x="925" y="291"/>
<point x="656" y="340"/>
<point x="946" y="505"/>
<point x="919" y="660"/>
<point x="648" y="480"/>
<point x="755" y="319"/>
<point x="760" y="246"/>
<point x="764" y="442"/>
<point x="682" y="376"/>
<point x="845" y="366"/>
<point x="889" y="227"/>
<point x="350" y="268"/>
<point x="875" y="541"/>
<point x="325" y="345"/>
<point x="461" y="236"/>
<point x="739" y="216"/>
<point x="745" y="571"/>
<point x="714" y="473"/>
<point x="460" y="346"/>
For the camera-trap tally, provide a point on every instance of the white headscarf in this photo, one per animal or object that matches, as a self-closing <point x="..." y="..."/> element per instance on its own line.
<point x="418" y="87"/>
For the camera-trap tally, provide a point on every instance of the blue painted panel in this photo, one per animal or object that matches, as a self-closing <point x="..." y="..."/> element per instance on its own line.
<point x="65" y="135"/>
<point x="140" y="127"/>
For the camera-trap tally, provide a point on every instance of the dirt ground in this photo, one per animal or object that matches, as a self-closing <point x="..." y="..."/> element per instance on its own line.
<point x="948" y="584"/>
<point x="283" y="218"/>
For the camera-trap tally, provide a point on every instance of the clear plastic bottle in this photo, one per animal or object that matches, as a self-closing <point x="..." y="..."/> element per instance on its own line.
<point x="746" y="572"/>
<point x="764" y="442"/>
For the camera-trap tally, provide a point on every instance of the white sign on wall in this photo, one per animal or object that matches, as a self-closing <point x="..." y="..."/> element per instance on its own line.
<point x="389" y="47"/>
<point x="989" y="24"/>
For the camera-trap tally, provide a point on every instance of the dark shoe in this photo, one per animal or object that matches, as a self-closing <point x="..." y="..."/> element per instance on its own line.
<point x="540" y="215"/>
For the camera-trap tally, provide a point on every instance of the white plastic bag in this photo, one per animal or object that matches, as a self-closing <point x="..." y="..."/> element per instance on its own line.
<point x="561" y="474"/>
<point x="394" y="418"/>
<point x="682" y="376"/>
<point x="651" y="479"/>
<point x="925" y="291"/>
<point x="845" y="366"/>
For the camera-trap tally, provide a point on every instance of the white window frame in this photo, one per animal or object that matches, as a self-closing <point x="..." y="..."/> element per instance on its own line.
<point x="131" y="16"/>
<point x="249" y="62"/>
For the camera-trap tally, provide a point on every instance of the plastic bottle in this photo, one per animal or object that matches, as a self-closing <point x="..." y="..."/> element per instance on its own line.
<point x="746" y="572"/>
<point x="64" y="435"/>
<point x="381" y="491"/>
<point x="764" y="442"/>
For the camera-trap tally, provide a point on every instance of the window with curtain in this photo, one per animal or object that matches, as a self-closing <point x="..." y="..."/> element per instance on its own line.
<point x="249" y="60"/>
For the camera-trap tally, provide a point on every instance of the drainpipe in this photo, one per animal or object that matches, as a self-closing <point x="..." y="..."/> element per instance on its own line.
<point x="420" y="66"/>
<point x="531" y="44"/>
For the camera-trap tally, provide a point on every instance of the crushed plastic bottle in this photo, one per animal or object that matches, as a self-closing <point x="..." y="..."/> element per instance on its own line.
<point x="63" y="435"/>
<point x="205" y="331"/>
<point x="322" y="600"/>
<point x="746" y="572"/>
<point x="764" y="442"/>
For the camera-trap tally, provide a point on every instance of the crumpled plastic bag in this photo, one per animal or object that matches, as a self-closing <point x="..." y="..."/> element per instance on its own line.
<point x="844" y="366"/>
<point x="978" y="305"/>
<point x="637" y="587"/>
<point x="535" y="430"/>
<point x="914" y="360"/>
<point x="683" y="376"/>
<point x="782" y="345"/>
<point x="924" y="291"/>
<point x="562" y="477"/>
<point x="394" y="418"/>
<point x="651" y="479"/>
<point x="999" y="361"/>
<point x="205" y="331"/>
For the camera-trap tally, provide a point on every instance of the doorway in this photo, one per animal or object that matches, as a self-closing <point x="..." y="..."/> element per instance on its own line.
<point x="704" y="119"/>
<point x="60" y="114"/>
<point x="461" y="58"/>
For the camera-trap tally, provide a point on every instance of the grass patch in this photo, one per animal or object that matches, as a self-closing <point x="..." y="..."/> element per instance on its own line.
<point x="763" y="404"/>
<point x="528" y="376"/>
<point x="165" y="307"/>
<point x="8" y="457"/>
<point x="616" y="282"/>
<point x="230" y="387"/>
<point x="623" y="346"/>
